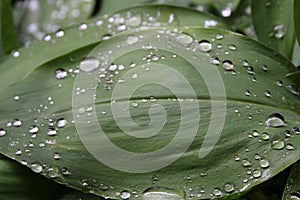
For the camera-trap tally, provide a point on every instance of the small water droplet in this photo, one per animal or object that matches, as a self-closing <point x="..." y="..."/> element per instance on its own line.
<point x="256" y="173"/>
<point x="264" y="163"/>
<point x="215" y="61"/>
<point x="278" y="144"/>
<point x="36" y="167"/>
<point x="279" y="83"/>
<point x="132" y="40"/>
<point x="232" y="47"/>
<point x="219" y="36"/>
<point x="16" y="98"/>
<point x="60" y="73"/>
<point x="59" y="33"/>
<point x="56" y="156"/>
<point x="246" y="163"/>
<point x="228" y="187"/>
<point x="17" y="123"/>
<point x="51" y="132"/>
<point x="33" y="129"/>
<point x="275" y="120"/>
<point x="265" y="67"/>
<point x="237" y="158"/>
<point x="65" y="171"/>
<point x="82" y="27"/>
<point x="247" y="92"/>
<point x="268" y="94"/>
<point x="18" y="152"/>
<point x="2" y="132"/>
<point x="245" y="63"/>
<point x="265" y="136"/>
<point x="289" y="146"/>
<point x="293" y="89"/>
<point x="205" y="46"/>
<point x="227" y="65"/>
<point x="89" y="64"/>
<point x="250" y="70"/>
<point x="106" y="36"/>
<point x="15" y="53"/>
<point x="52" y="172"/>
<point x="47" y="38"/>
<point x="125" y="194"/>
<point x="279" y="31"/>
<point x="61" y="122"/>
<point x="134" y="76"/>
<point x="134" y="21"/>
<point x="217" y="192"/>
<point x="185" y="39"/>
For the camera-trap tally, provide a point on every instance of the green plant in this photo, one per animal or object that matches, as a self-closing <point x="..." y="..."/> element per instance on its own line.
<point x="150" y="101"/>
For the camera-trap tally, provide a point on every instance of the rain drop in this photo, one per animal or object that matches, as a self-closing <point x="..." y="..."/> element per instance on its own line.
<point x="16" y="98"/>
<point x="279" y="31"/>
<point x="219" y="36"/>
<point x="134" y="76"/>
<point x="89" y="64"/>
<point x="15" y="54"/>
<point x="125" y="194"/>
<point x="277" y="144"/>
<point x="246" y="163"/>
<point x="232" y="47"/>
<point x="51" y="132"/>
<point x="264" y="163"/>
<point x="185" y="39"/>
<point x="60" y="33"/>
<point x="275" y="120"/>
<point x="228" y="187"/>
<point x="256" y="173"/>
<point x="56" y="156"/>
<point x="268" y="94"/>
<point x="289" y="147"/>
<point x="60" y="73"/>
<point x="36" y="167"/>
<point x="227" y="65"/>
<point x="293" y="89"/>
<point x="2" y="132"/>
<point x="217" y="192"/>
<point x="52" y="172"/>
<point x="134" y="21"/>
<point x="33" y="129"/>
<point x="82" y="27"/>
<point x="215" y="61"/>
<point x="61" y="122"/>
<point x="132" y="40"/>
<point x="17" y="123"/>
<point x="265" y="136"/>
<point x="205" y="46"/>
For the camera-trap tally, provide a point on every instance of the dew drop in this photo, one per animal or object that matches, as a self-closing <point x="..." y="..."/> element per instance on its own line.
<point x="265" y="136"/>
<point x="18" y="152"/>
<point x="61" y="122"/>
<point x="56" y="156"/>
<point x="134" y="21"/>
<point x="215" y="61"/>
<point x="82" y="27"/>
<point x="237" y="158"/>
<point x="2" y="132"/>
<point x="125" y="194"/>
<point x="279" y="83"/>
<point x="60" y="73"/>
<point x="228" y="187"/>
<point x="247" y="92"/>
<point x="275" y="120"/>
<point x="132" y="40"/>
<point x="289" y="146"/>
<point x="293" y="89"/>
<point x="227" y="65"/>
<point x="265" y="67"/>
<point x="250" y="70"/>
<point x="219" y="36"/>
<point x="16" y="98"/>
<point x="277" y="144"/>
<point x="15" y="53"/>
<point x="60" y="33"/>
<point x="47" y="38"/>
<point x="245" y="63"/>
<point x="106" y="36"/>
<point x="217" y="192"/>
<point x="268" y="94"/>
<point x="36" y="167"/>
<point x="52" y="172"/>
<point x="17" y="123"/>
<point x="264" y="163"/>
<point x="246" y="163"/>
<point x="51" y="132"/>
<point x="65" y="171"/>
<point x="205" y="46"/>
<point x="33" y="129"/>
<point x="279" y="31"/>
<point x="232" y="47"/>
<point x="256" y="173"/>
<point x="134" y="76"/>
<point x="185" y="39"/>
<point x="89" y="64"/>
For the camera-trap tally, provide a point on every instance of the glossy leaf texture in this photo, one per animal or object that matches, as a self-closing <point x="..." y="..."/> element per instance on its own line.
<point x="297" y="19"/>
<point x="292" y="191"/>
<point x="273" y="23"/>
<point x="18" y="182"/>
<point x="8" y="37"/>
<point x="178" y="70"/>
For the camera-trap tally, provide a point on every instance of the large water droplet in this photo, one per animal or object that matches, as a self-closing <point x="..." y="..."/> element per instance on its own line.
<point x="132" y="40"/>
<point x="33" y="129"/>
<point x="134" y="21"/>
<point x="52" y="172"/>
<point x="185" y="39"/>
<point x="36" y="167"/>
<point x="278" y="144"/>
<point x="205" y="46"/>
<point x="256" y="173"/>
<point x="275" y="120"/>
<point x="17" y="123"/>
<point x="60" y="73"/>
<point x="125" y="194"/>
<point x="62" y="122"/>
<point x="89" y="64"/>
<point x="2" y="132"/>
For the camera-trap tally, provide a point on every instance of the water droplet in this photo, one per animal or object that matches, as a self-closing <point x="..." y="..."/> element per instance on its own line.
<point x="247" y="92"/>
<point x="246" y="163"/>
<point x="268" y="94"/>
<point x="228" y="187"/>
<point x="265" y="67"/>
<point x="65" y="171"/>
<point x="36" y="167"/>
<point x="232" y="47"/>
<point x="47" y="38"/>
<point x="264" y="163"/>
<point x="33" y="129"/>
<point x="134" y="76"/>
<point x="226" y="12"/>
<point x="89" y="64"/>
<point x="52" y="172"/>
<point x="279" y="31"/>
<point x="245" y="63"/>
<point x="134" y="21"/>
<point x="296" y="130"/>
<point x="17" y="123"/>
<point x="237" y="158"/>
<point x="217" y="192"/>
<point x="293" y="89"/>
<point x="256" y="173"/>
<point x="2" y="132"/>
<point x="279" y="83"/>
<point x="219" y="36"/>
<point x="18" y="152"/>
<point x="250" y="70"/>
<point x="60" y="73"/>
<point x="215" y="61"/>
<point x="60" y="33"/>
<point x="106" y="36"/>
<point x="275" y="120"/>
<point x="295" y="196"/>
<point x="51" y="132"/>
<point x="15" y="53"/>
<point x="56" y="156"/>
<point x="82" y="27"/>
<point x="132" y="40"/>
<point x="125" y="194"/>
<point x="265" y="136"/>
<point x="289" y="146"/>
<point x="185" y="39"/>
<point x="255" y="133"/>
<point x="278" y="144"/>
<point x="16" y="98"/>
<point x="61" y="122"/>
<point x="227" y="65"/>
<point x="205" y="46"/>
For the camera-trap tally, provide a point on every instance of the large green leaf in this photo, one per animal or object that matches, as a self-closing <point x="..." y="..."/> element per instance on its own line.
<point x="53" y="124"/>
<point x="292" y="188"/>
<point x="19" y="183"/>
<point x="8" y="37"/>
<point x="273" y="23"/>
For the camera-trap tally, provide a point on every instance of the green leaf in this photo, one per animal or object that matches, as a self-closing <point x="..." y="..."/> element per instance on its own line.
<point x="81" y="196"/>
<point x="180" y="78"/>
<point x="297" y="20"/>
<point x="108" y="7"/>
<point x="8" y="38"/>
<point x="272" y="20"/>
<point x="292" y="188"/>
<point x="19" y="183"/>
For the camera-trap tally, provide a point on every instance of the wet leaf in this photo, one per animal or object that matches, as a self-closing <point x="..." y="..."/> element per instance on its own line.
<point x="272" y="20"/>
<point x="8" y="37"/>
<point x="190" y="73"/>
<point x="297" y="19"/>
<point x="292" y="188"/>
